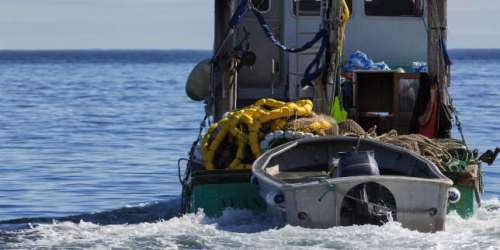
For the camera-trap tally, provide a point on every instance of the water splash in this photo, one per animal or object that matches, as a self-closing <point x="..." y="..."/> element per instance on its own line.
<point x="243" y="230"/>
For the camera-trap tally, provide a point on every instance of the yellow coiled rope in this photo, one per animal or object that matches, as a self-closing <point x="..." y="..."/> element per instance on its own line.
<point x="244" y="126"/>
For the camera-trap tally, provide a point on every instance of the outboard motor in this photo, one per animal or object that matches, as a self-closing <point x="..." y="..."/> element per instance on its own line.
<point x="358" y="163"/>
<point x="369" y="202"/>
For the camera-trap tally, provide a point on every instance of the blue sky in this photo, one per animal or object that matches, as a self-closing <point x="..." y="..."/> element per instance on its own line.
<point x="175" y="24"/>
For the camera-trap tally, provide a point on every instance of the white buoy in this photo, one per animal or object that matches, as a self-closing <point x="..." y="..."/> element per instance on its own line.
<point x="279" y="134"/>
<point x="289" y="134"/>
<point x="264" y="145"/>
<point x="274" y="198"/>
<point x="269" y="136"/>
<point x="308" y="135"/>
<point x="298" y="135"/>
<point x="197" y="85"/>
<point x="454" y="195"/>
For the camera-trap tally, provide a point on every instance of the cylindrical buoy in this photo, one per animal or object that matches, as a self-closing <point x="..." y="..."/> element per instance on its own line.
<point x="254" y="180"/>
<point x="264" y="145"/>
<point x="269" y="137"/>
<point x="197" y="85"/>
<point x="289" y="135"/>
<point x="278" y="134"/>
<point x="273" y="198"/>
<point x="298" y="135"/>
<point x="308" y="135"/>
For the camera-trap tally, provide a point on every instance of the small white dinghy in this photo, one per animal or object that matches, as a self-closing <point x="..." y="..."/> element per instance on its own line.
<point x="341" y="181"/>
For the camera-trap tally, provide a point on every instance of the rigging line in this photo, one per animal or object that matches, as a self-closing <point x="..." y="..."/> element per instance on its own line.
<point x="297" y="65"/>
<point x="458" y="123"/>
<point x="191" y="152"/>
<point x="229" y="34"/>
<point x="269" y="33"/>
<point x="182" y="180"/>
<point x="234" y="22"/>
<point x="425" y="11"/>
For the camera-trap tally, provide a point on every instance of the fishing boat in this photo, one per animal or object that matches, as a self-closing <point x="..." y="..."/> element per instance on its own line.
<point x="297" y="89"/>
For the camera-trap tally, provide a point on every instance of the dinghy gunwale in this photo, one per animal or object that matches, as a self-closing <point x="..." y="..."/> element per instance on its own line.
<point x="261" y="163"/>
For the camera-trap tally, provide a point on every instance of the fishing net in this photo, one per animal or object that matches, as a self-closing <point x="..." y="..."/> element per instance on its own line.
<point x="449" y="155"/>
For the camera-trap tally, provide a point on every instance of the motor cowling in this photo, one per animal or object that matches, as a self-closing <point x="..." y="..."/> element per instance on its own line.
<point x="360" y="163"/>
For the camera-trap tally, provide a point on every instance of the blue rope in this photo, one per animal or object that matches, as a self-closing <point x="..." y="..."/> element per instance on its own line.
<point x="322" y="34"/>
<point x="243" y="9"/>
<point x="240" y="12"/>
<point x="269" y="33"/>
<point x="309" y="76"/>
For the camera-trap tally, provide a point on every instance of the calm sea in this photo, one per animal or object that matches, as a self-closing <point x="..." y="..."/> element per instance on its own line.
<point x="93" y="137"/>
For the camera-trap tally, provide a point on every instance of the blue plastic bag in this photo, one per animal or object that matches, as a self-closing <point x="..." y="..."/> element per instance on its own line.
<point x="360" y="61"/>
<point x="419" y="67"/>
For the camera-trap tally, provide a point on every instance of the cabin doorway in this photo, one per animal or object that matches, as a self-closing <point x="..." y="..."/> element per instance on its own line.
<point x="302" y="19"/>
<point x="263" y="78"/>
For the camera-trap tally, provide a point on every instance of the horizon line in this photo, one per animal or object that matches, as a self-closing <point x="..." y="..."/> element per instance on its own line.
<point x="111" y="49"/>
<point x="165" y="49"/>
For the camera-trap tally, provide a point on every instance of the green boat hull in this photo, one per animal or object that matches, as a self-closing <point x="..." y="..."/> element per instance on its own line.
<point x="467" y="205"/>
<point x="213" y="199"/>
<point x="469" y="182"/>
<point x="217" y="191"/>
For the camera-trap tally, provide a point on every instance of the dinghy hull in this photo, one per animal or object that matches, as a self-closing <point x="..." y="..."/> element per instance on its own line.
<point x="415" y="195"/>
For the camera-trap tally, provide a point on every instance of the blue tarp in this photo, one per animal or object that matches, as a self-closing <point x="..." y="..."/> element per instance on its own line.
<point x="360" y="61"/>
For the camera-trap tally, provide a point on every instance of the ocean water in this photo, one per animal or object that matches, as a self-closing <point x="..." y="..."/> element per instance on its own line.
<point x="89" y="142"/>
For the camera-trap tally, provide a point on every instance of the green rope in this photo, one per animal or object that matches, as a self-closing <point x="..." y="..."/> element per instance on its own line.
<point x="459" y="161"/>
<point x="331" y="188"/>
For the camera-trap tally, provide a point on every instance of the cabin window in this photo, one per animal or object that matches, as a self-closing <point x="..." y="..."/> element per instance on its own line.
<point x="311" y="7"/>
<point x="261" y="5"/>
<point x="414" y="8"/>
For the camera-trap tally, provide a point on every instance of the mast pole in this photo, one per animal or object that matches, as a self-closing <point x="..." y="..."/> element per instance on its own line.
<point x="323" y="89"/>
<point x="220" y="101"/>
<point x="439" y="63"/>
<point x="334" y="53"/>
<point x="439" y="71"/>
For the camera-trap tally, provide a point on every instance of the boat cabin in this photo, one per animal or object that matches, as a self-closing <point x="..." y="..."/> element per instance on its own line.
<point x="393" y="31"/>
<point x="396" y="33"/>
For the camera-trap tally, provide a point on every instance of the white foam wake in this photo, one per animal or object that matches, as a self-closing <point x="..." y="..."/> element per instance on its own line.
<point x="241" y="229"/>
